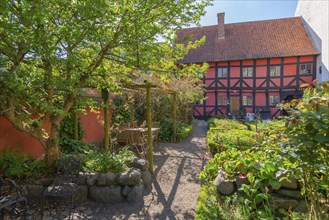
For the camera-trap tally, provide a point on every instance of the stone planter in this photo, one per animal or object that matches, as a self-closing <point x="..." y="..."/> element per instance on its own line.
<point x="288" y="196"/>
<point x="101" y="187"/>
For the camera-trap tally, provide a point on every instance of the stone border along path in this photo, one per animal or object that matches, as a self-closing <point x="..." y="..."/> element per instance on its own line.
<point x="172" y="195"/>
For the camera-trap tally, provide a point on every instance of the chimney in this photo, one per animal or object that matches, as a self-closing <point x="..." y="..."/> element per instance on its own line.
<point x="221" y="29"/>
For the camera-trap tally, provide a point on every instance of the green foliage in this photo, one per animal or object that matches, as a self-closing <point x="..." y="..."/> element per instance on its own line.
<point x="166" y="130"/>
<point x="124" y="111"/>
<point x="14" y="165"/>
<point x="297" y="145"/>
<point x="77" y="146"/>
<point x="66" y="135"/>
<point x="52" y="49"/>
<point x="224" y="124"/>
<point x="210" y="205"/>
<point x="107" y="161"/>
<point x="219" y="141"/>
<point x="183" y="131"/>
<point x="308" y="145"/>
<point x="207" y="203"/>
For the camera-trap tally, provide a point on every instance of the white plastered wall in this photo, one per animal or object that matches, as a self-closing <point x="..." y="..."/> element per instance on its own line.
<point x="315" y="15"/>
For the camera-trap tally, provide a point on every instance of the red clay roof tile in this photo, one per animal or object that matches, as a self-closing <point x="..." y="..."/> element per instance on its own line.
<point x="251" y="40"/>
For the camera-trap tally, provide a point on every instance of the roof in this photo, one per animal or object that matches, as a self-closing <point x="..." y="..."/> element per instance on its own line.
<point x="250" y="40"/>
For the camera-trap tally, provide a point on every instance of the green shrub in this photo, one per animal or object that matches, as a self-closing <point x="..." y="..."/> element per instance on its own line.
<point x="183" y="131"/>
<point x="108" y="161"/>
<point x="77" y="146"/>
<point x="225" y="124"/>
<point x="14" y="165"/>
<point x="66" y="137"/>
<point x="207" y="204"/>
<point x="211" y="205"/>
<point x="166" y="130"/>
<point x="240" y="139"/>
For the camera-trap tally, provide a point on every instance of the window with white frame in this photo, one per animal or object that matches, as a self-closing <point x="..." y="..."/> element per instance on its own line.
<point x="247" y="71"/>
<point x="221" y="72"/>
<point x="274" y="99"/>
<point x="305" y="68"/>
<point x="247" y="100"/>
<point x="275" y="70"/>
<point x="221" y="100"/>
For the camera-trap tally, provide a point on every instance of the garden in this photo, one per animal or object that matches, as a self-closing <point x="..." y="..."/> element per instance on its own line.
<point x="270" y="170"/>
<point x="52" y="52"/>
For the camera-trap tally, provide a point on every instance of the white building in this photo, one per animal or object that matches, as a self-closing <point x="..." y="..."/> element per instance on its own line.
<point x="315" y="15"/>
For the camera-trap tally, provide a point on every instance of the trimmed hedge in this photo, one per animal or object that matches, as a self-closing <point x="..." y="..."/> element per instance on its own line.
<point x="239" y="139"/>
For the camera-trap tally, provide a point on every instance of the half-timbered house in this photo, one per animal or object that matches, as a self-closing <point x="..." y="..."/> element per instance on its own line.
<point x="252" y="65"/>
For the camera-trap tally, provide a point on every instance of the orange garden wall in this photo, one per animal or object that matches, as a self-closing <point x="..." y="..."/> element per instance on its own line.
<point x="11" y="138"/>
<point x="261" y="86"/>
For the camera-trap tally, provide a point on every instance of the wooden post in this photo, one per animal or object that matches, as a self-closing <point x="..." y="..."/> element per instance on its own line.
<point x="76" y="121"/>
<point x="149" y="126"/>
<point x="174" y="95"/>
<point x="105" y="96"/>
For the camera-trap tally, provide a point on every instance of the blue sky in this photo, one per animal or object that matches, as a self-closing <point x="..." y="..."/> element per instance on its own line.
<point x="249" y="10"/>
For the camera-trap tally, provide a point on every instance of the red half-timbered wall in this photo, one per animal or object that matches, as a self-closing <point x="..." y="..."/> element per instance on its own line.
<point x="260" y="86"/>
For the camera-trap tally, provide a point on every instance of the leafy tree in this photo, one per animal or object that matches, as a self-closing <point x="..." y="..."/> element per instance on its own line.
<point x="308" y="145"/>
<point x="49" y="50"/>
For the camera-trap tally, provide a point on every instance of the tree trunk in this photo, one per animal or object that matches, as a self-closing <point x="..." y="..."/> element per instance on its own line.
<point x="105" y="96"/>
<point x="52" y="145"/>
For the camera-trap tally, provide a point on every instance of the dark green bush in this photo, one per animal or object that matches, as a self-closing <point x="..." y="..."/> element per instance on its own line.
<point x="77" y="146"/>
<point x="66" y="135"/>
<point x="14" y="165"/>
<point x="166" y="130"/>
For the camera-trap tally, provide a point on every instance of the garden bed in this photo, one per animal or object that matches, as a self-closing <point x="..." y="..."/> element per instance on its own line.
<point x="279" y="170"/>
<point x="106" y="187"/>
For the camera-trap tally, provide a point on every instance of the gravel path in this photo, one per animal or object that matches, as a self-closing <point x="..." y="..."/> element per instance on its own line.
<point x="174" y="190"/>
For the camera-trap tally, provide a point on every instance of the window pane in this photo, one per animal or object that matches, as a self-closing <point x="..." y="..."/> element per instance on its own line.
<point x="247" y="100"/>
<point x="221" y="100"/>
<point x="224" y="72"/>
<point x="244" y="100"/>
<point x="275" y="71"/>
<point x="274" y="99"/>
<point x="247" y="71"/>
<point x="250" y="71"/>
<point x="306" y="68"/>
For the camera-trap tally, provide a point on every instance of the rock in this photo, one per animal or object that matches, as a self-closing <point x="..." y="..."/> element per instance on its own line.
<point x="106" y="194"/>
<point x="44" y="181"/>
<point x="146" y="177"/>
<point x="139" y="164"/>
<point x="106" y="179"/>
<point x="289" y="182"/>
<point x="130" y="178"/>
<point x="81" y="194"/>
<point x="290" y="193"/>
<point x="286" y="203"/>
<point x="35" y="192"/>
<point x="136" y="194"/>
<point x="239" y="180"/>
<point x="91" y="178"/>
<point x="225" y="187"/>
<point x="82" y="178"/>
<point x="126" y="189"/>
<point x="302" y="207"/>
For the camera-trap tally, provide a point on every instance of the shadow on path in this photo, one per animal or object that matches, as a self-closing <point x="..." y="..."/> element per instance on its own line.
<point x="175" y="186"/>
